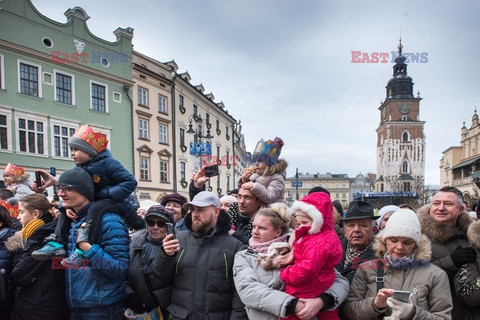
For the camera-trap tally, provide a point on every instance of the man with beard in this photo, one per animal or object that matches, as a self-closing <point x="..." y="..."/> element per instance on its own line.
<point x="198" y="264"/>
<point x="445" y="223"/>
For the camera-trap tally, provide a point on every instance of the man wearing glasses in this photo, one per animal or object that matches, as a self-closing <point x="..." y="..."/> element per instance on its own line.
<point x="198" y="264"/>
<point x="95" y="286"/>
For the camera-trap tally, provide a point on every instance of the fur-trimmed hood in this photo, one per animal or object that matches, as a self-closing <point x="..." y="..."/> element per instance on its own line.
<point x="422" y="251"/>
<point x="319" y="208"/>
<point x="473" y="234"/>
<point x="439" y="232"/>
<point x="14" y="243"/>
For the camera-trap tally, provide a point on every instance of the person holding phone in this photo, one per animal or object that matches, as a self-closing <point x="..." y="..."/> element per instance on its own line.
<point x="404" y="265"/>
<point x="145" y="293"/>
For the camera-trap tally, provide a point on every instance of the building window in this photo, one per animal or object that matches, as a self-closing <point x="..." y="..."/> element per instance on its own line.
<point x="2" y="72"/>
<point x="226" y="131"/>
<point x="195" y="110"/>
<point x="404" y="118"/>
<point x="61" y="135"/>
<point x="218" y="154"/>
<point x="30" y="136"/>
<point x="99" y="102"/>
<point x="163" y="133"/>
<point x="29" y="80"/>
<point x="142" y="97"/>
<point x="228" y="158"/>
<point x="182" y="171"/>
<point x="143" y="128"/>
<point x="182" y="137"/>
<point x="405" y="166"/>
<point x="3" y="132"/>
<point x="63" y="88"/>
<point x="162" y="104"/>
<point x="180" y="101"/>
<point x="163" y="171"/>
<point x="405" y="136"/>
<point x="228" y="183"/>
<point x="207" y="117"/>
<point x="218" y="126"/>
<point x="407" y="186"/>
<point x="144" y="168"/>
<point x="381" y="187"/>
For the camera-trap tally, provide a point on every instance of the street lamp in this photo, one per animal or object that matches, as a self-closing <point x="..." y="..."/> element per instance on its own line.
<point x="197" y="119"/>
<point x="198" y="148"/>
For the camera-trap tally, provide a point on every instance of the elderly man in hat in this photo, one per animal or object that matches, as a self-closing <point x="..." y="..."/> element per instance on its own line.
<point x="358" y="225"/>
<point x="198" y="264"/>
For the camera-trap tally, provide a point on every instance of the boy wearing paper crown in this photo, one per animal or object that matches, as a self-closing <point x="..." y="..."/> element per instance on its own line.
<point x="112" y="182"/>
<point x="15" y="179"/>
<point x="266" y="179"/>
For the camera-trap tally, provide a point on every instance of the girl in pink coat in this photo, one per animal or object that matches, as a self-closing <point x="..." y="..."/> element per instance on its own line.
<point x="316" y="250"/>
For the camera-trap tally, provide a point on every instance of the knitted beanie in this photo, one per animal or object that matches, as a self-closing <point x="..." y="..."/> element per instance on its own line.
<point x="79" y="180"/>
<point x="403" y="223"/>
<point x="79" y="144"/>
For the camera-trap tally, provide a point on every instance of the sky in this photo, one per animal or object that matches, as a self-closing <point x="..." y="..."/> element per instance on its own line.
<point x="284" y="67"/>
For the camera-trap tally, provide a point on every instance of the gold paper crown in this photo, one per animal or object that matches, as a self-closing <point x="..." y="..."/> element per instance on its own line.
<point x="97" y="140"/>
<point x="12" y="210"/>
<point x="14" y="170"/>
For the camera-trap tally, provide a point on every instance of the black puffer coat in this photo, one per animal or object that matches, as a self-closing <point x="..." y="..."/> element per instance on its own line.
<point x="40" y="286"/>
<point x="202" y="276"/>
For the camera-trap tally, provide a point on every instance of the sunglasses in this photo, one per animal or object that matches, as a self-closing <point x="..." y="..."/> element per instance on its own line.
<point x="160" y="224"/>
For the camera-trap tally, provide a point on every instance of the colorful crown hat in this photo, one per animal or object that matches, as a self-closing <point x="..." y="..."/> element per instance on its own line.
<point x="13" y="170"/>
<point x="97" y="140"/>
<point x="268" y="151"/>
<point x="12" y="209"/>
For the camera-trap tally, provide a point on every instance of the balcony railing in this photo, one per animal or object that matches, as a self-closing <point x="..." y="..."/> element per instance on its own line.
<point x="462" y="182"/>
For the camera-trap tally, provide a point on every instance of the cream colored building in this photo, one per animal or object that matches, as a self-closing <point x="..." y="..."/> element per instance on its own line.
<point x="460" y="165"/>
<point x="337" y="184"/>
<point x="152" y="123"/>
<point x="166" y="105"/>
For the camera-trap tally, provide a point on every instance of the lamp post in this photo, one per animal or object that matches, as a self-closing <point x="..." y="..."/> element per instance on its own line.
<point x="198" y="147"/>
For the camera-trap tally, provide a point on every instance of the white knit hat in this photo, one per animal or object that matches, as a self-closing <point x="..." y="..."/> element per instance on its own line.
<point x="403" y="223"/>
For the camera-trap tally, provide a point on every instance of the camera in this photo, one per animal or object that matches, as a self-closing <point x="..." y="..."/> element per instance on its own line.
<point x="170" y="228"/>
<point x="211" y="171"/>
<point x="38" y="179"/>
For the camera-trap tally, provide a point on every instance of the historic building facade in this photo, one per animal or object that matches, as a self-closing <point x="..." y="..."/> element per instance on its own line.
<point x="55" y="77"/>
<point x="337" y="184"/>
<point x="400" y="135"/>
<point x="460" y="165"/>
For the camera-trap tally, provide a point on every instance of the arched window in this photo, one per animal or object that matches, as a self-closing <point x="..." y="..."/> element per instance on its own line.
<point x="405" y="166"/>
<point x="405" y="136"/>
<point x="404" y="118"/>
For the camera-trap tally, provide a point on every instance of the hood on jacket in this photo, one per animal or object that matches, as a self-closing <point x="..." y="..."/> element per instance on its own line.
<point x="318" y="206"/>
<point x="422" y="251"/>
<point x="14" y="243"/>
<point x="224" y="222"/>
<point x="439" y="232"/>
<point x="473" y="234"/>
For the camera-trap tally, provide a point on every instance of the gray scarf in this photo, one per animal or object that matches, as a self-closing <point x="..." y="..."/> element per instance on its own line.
<point x="150" y="250"/>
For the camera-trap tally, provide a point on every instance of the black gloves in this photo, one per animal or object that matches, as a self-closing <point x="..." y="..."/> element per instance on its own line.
<point x="460" y="256"/>
<point x="135" y="303"/>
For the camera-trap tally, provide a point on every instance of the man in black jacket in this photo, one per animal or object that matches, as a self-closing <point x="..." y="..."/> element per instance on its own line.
<point x="198" y="264"/>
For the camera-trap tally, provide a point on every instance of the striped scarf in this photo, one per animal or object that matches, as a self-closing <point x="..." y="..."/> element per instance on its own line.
<point x="30" y="228"/>
<point x="350" y="254"/>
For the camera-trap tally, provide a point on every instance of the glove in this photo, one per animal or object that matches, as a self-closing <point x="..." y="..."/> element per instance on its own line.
<point x="135" y="303"/>
<point x="400" y="309"/>
<point x="83" y="232"/>
<point x="460" y="256"/>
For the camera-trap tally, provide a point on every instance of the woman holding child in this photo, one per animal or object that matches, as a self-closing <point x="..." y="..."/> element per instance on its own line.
<point x="404" y="254"/>
<point x="259" y="285"/>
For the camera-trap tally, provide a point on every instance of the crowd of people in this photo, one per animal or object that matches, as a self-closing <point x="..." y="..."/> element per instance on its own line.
<point x="247" y="255"/>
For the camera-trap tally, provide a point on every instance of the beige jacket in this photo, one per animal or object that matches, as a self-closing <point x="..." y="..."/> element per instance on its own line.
<point x="427" y="283"/>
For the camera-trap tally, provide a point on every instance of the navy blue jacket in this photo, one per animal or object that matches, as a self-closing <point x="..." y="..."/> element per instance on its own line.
<point x="100" y="278"/>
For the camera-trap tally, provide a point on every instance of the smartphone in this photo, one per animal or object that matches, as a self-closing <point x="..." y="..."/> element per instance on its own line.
<point x="401" y="295"/>
<point x="211" y="171"/>
<point x="170" y="229"/>
<point x="38" y="179"/>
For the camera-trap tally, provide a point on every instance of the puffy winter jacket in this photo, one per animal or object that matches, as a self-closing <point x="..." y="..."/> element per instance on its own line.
<point x="202" y="275"/>
<point x="427" y="283"/>
<point x="99" y="279"/>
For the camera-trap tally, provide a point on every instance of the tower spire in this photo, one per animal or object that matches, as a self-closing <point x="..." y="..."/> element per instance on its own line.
<point x="400" y="47"/>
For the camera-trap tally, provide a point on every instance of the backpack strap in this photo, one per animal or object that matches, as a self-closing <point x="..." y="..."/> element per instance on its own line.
<point x="380" y="279"/>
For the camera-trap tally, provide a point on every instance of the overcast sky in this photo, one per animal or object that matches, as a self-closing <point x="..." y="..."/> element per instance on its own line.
<point x="283" y="67"/>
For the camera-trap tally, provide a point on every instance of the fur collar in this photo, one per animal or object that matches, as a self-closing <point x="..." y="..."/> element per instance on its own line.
<point x="224" y="222"/>
<point x="439" y="232"/>
<point x="473" y="234"/>
<point x="14" y="243"/>
<point x="422" y="251"/>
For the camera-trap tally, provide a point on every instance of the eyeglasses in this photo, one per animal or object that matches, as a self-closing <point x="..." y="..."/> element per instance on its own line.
<point x="160" y="224"/>
<point x="65" y="189"/>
